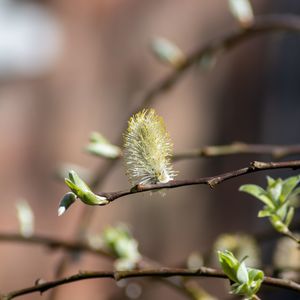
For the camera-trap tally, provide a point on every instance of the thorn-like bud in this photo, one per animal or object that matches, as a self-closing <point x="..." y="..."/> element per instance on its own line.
<point x="242" y="11"/>
<point x="167" y="52"/>
<point x="26" y="218"/>
<point x="100" y="146"/>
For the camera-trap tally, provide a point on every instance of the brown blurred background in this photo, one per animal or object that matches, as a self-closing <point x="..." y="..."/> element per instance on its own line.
<point x="71" y="67"/>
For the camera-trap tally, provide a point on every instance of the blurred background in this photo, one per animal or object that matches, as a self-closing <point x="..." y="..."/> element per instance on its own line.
<point x="68" y="68"/>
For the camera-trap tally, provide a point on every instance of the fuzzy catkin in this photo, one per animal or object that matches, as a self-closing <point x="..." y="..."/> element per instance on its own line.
<point x="147" y="149"/>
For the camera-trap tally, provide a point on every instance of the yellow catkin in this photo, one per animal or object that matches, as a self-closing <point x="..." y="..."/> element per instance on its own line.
<point x="147" y="149"/>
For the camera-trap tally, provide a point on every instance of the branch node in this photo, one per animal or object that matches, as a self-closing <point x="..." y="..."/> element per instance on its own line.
<point x="39" y="281"/>
<point x="257" y="165"/>
<point x="117" y="275"/>
<point x="214" y="181"/>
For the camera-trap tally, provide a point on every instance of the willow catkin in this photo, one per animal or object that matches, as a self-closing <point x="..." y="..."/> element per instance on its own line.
<point x="148" y="149"/>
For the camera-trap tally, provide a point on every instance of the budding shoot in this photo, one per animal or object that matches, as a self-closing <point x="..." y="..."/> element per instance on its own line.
<point x="148" y="149"/>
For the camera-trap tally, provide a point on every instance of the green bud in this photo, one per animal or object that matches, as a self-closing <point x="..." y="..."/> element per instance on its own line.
<point x="100" y="146"/>
<point x="68" y="199"/>
<point x="82" y="190"/>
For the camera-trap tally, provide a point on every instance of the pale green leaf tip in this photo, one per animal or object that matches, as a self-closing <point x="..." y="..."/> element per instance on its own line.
<point x="68" y="199"/>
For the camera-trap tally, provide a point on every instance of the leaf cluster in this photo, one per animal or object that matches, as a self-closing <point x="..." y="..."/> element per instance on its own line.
<point x="245" y="281"/>
<point x="277" y="199"/>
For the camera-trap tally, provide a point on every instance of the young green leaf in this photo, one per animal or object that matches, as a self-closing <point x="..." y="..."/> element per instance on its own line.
<point x="288" y="186"/>
<point x="68" y="199"/>
<point x="167" y="52"/>
<point x="258" y="193"/>
<point x="242" y="273"/>
<point x="247" y="281"/>
<point x="289" y="216"/>
<point x="82" y="190"/>
<point x="229" y="264"/>
<point x="275" y="190"/>
<point x="100" y="146"/>
<point x="121" y="243"/>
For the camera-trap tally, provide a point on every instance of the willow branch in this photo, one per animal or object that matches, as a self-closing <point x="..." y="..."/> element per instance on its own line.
<point x="255" y="166"/>
<point x="53" y="243"/>
<point x="159" y="273"/>
<point x="261" y="25"/>
<point x="276" y="151"/>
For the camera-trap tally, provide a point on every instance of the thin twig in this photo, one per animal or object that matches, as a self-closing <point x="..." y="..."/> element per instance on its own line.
<point x="276" y="151"/>
<point x="261" y="25"/>
<point x="212" y="181"/>
<point x="53" y="243"/>
<point x="160" y="273"/>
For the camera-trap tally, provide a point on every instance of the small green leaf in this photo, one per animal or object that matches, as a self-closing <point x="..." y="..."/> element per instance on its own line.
<point x="82" y="190"/>
<point x="68" y="199"/>
<point x="256" y="277"/>
<point x="239" y="289"/>
<point x="100" y="146"/>
<point x="73" y="187"/>
<point x="288" y="186"/>
<point x="229" y="264"/>
<point x="296" y="192"/>
<point x="246" y="280"/>
<point x="289" y="216"/>
<point x="242" y="273"/>
<point x="270" y="180"/>
<point x="77" y="181"/>
<point x="167" y="52"/>
<point x="275" y="190"/>
<point x="278" y="224"/>
<point x="258" y="193"/>
<point x="255" y="274"/>
<point x="120" y="242"/>
<point x="264" y="213"/>
<point x="90" y="198"/>
<point x="25" y="218"/>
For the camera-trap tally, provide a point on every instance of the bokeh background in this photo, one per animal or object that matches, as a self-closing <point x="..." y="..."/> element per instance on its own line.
<point x="68" y="68"/>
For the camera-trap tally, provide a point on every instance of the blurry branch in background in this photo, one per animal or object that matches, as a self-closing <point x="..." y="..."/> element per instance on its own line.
<point x="276" y="151"/>
<point x="53" y="243"/>
<point x="260" y="25"/>
<point x="159" y="272"/>
<point x="106" y="250"/>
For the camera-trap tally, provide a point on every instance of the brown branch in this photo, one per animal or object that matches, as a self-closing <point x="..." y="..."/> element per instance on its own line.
<point x="255" y="166"/>
<point x="261" y="25"/>
<point x="276" y="151"/>
<point x="53" y="243"/>
<point x="160" y="273"/>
